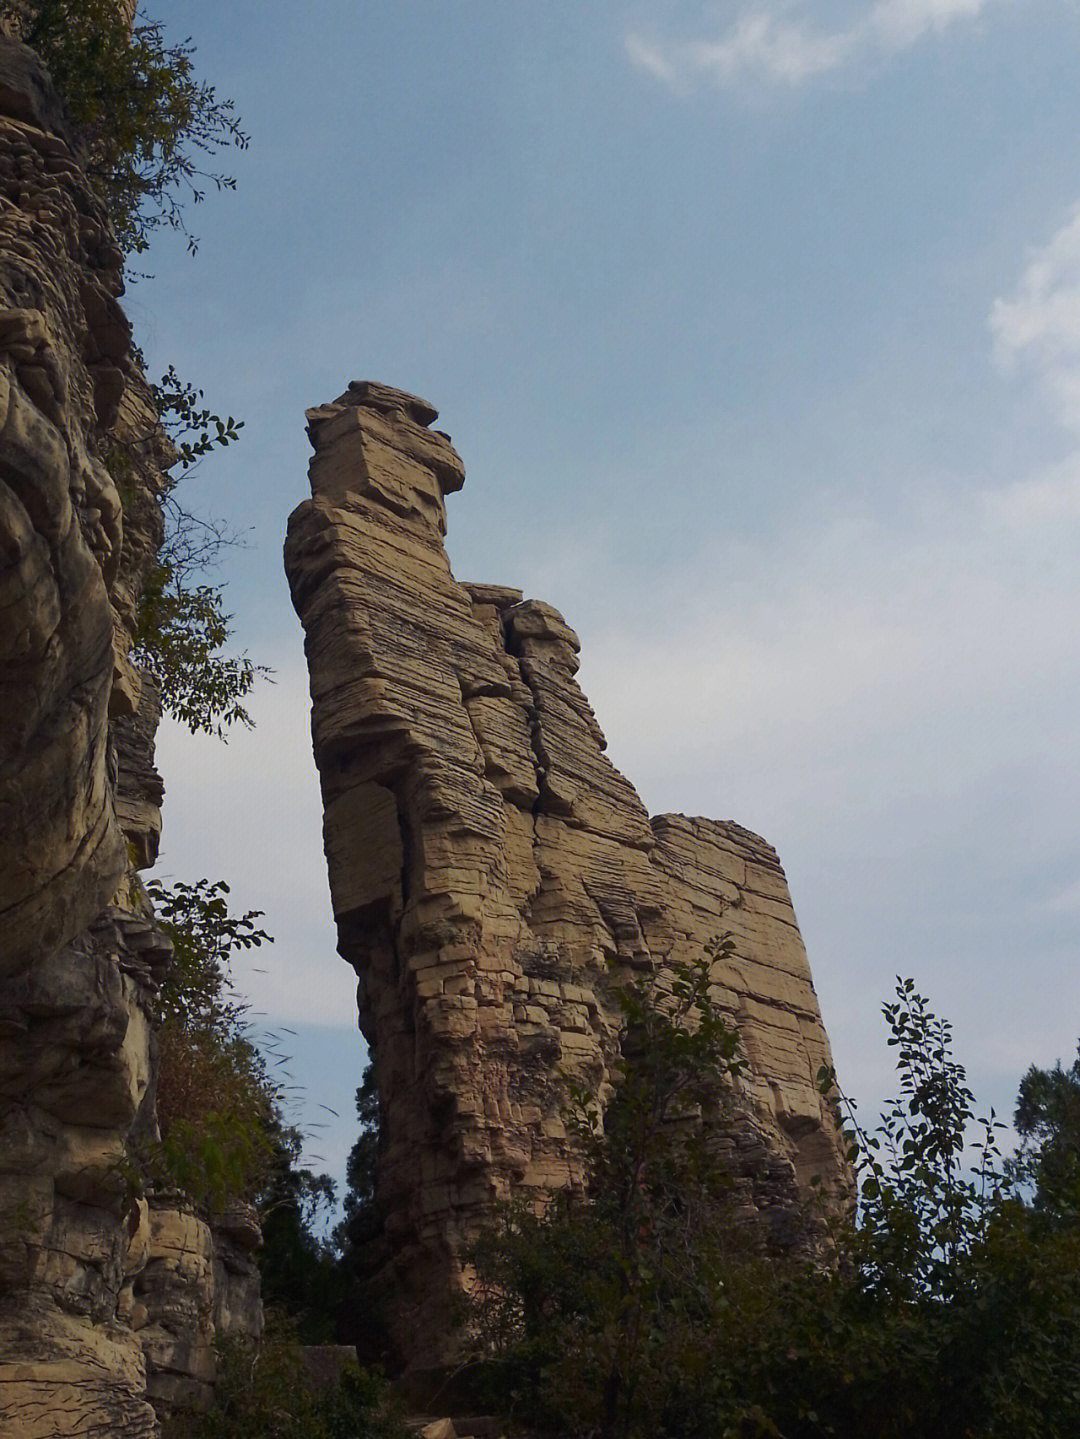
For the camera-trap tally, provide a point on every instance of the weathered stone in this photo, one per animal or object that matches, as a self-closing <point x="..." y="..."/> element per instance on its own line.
<point x="80" y="954"/>
<point x="493" y="875"/>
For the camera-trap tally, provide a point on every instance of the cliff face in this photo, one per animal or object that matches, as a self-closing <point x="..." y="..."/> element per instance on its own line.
<point x="89" y="1271"/>
<point x="492" y="873"/>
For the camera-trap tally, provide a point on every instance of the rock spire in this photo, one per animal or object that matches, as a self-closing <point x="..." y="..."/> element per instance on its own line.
<point x="493" y="874"/>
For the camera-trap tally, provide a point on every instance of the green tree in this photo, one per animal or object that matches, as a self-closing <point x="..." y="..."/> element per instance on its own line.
<point x="182" y="626"/>
<point x="947" y="1306"/>
<point x="361" y="1301"/>
<point x="586" y="1311"/>
<point x="218" y="1110"/>
<point x="300" y="1270"/>
<point x="1048" y="1122"/>
<point x="149" y="124"/>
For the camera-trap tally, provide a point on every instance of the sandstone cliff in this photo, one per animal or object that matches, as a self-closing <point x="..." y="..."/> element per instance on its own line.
<point x="94" y="1280"/>
<point x="492" y="872"/>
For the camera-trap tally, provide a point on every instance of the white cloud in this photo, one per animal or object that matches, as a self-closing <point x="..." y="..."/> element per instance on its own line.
<point x="250" y="813"/>
<point x="890" y="698"/>
<point x="765" y="46"/>
<point x="1040" y="325"/>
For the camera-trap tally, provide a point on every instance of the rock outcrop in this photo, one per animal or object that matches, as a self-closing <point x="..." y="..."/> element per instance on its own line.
<point x="493" y="874"/>
<point x="92" y="1286"/>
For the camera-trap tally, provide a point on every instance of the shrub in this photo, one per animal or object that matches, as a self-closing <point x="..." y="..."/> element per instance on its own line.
<point x="952" y="1305"/>
<point x="264" y="1391"/>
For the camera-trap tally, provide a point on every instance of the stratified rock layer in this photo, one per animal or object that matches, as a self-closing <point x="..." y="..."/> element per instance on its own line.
<point x="95" y="1286"/>
<point x="492" y="873"/>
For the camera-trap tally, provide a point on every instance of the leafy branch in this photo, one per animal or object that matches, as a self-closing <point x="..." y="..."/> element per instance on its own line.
<point x="149" y="125"/>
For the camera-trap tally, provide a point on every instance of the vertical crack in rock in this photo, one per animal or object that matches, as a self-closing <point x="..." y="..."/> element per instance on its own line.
<point x="493" y="874"/>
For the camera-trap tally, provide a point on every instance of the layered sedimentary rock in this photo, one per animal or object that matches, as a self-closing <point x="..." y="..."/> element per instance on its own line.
<point x="84" y="1260"/>
<point x="493" y="875"/>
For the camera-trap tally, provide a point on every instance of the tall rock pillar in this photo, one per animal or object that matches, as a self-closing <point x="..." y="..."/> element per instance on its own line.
<point x="493" y="874"/>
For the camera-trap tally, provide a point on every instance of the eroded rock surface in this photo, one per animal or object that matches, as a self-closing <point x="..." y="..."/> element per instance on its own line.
<point x="492" y="873"/>
<point x="84" y="1261"/>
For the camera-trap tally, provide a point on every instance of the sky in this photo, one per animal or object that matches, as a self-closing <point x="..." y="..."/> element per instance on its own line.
<point x="757" y="327"/>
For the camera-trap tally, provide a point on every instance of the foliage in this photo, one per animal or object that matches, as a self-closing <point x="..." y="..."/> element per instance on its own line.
<point x="360" y="1221"/>
<point x="197" y="991"/>
<point x="587" y="1310"/>
<point x="223" y="1134"/>
<point x="264" y="1391"/>
<point x="182" y="625"/>
<point x="300" y="1271"/>
<point x="218" y="1111"/>
<point x="923" y="1210"/>
<point x="194" y="429"/>
<point x="149" y="124"/>
<point x="951" y="1306"/>
<point x="1048" y="1122"/>
<point x="361" y="1302"/>
<point x="178" y="636"/>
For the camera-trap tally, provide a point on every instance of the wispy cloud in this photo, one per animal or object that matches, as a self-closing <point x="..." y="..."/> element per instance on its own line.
<point x="1040" y="325"/>
<point x="767" y="46"/>
<point x="890" y="697"/>
<point x="1036" y="333"/>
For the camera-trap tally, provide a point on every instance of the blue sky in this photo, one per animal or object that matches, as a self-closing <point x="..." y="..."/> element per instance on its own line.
<point x="758" y="329"/>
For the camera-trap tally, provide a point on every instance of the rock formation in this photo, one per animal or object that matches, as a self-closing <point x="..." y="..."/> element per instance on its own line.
<point x="94" y="1279"/>
<point x="493" y="874"/>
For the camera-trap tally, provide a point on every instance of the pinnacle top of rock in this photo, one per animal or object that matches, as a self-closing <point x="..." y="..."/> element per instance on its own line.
<point x="385" y="398"/>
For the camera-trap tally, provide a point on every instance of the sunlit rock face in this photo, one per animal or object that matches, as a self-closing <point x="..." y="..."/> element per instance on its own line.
<point x="493" y="875"/>
<point x="82" y="1255"/>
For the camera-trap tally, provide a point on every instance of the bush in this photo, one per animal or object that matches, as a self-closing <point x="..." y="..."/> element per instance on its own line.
<point x="264" y="1391"/>
<point x="952" y="1305"/>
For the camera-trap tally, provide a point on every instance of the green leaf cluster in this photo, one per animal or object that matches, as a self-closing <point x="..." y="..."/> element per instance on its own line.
<point x="180" y="632"/>
<point x="182" y="626"/>
<point x="149" y="124"/>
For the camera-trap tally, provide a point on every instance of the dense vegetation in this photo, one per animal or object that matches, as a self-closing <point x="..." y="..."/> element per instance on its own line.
<point x="950" y="1304"/>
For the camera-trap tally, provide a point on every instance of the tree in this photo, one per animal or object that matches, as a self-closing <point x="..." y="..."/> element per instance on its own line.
<point x="585" y="1312"/>
<point x="148" y="123"/>
<point x="1048" y="1122"/>
<point x="949" y="1305"/>
<point x="219" y="1112"/>
<point x="182" y="626"/>
<point x="361" y="1318"/>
